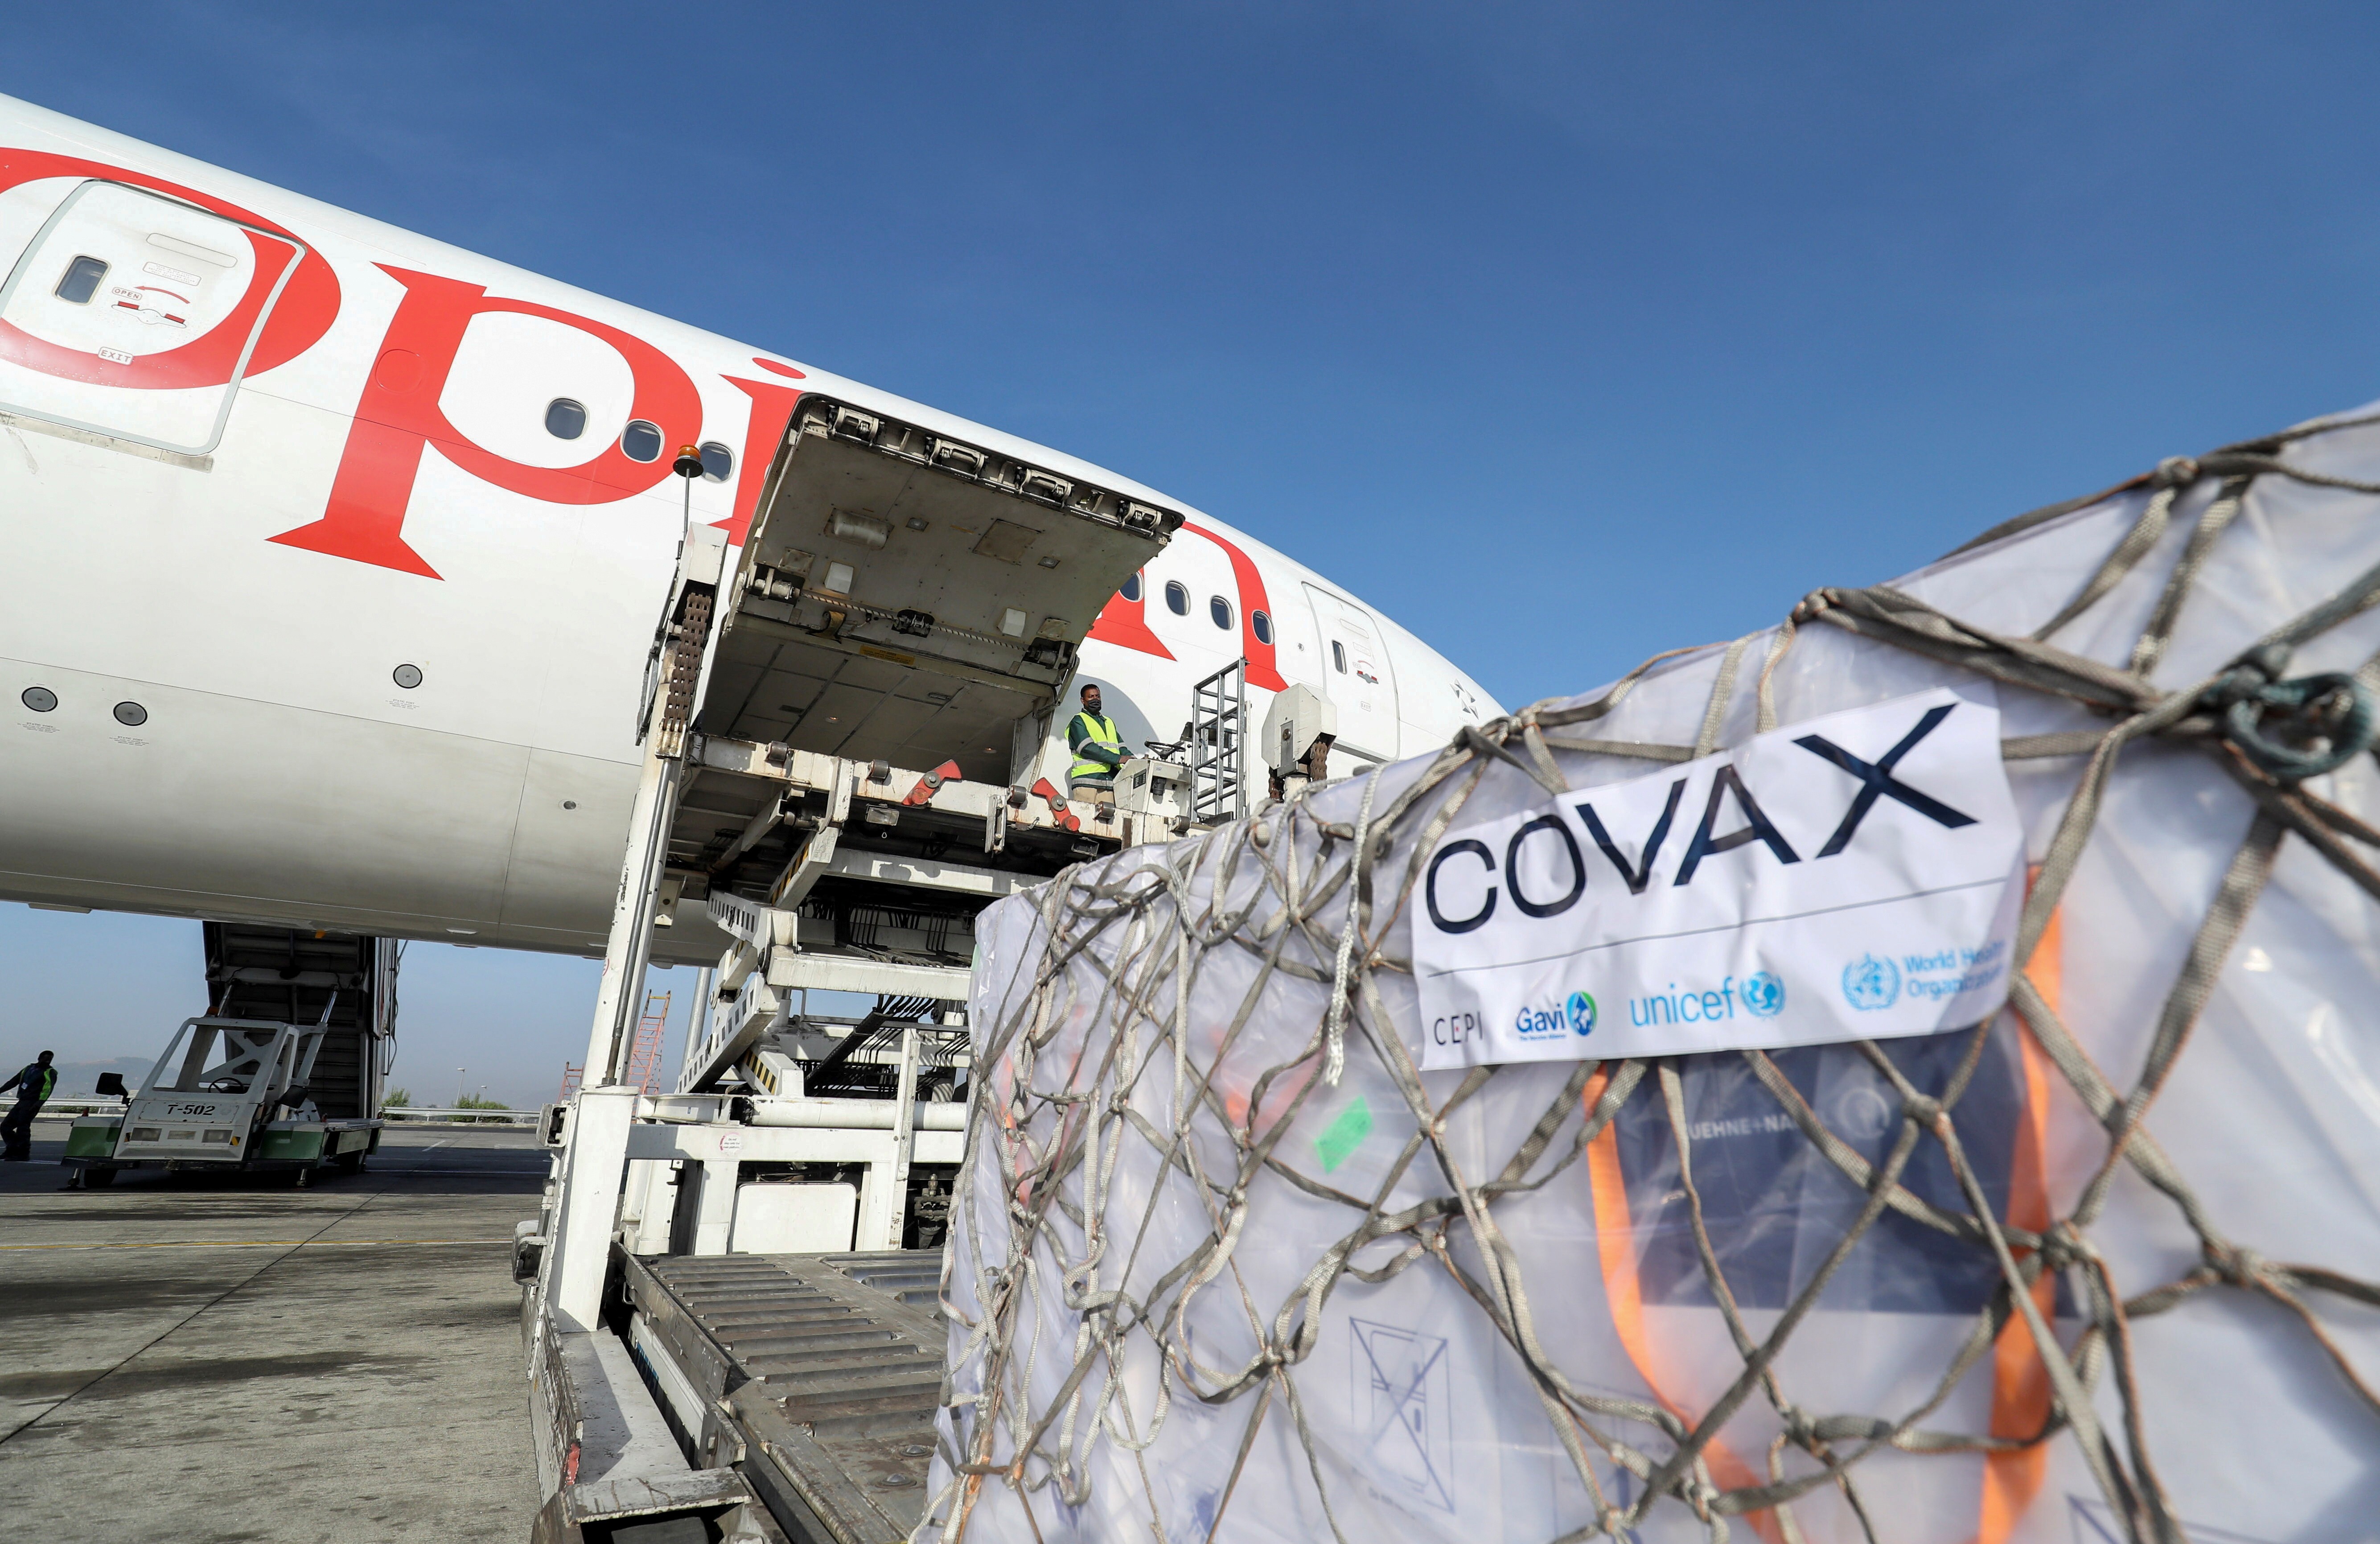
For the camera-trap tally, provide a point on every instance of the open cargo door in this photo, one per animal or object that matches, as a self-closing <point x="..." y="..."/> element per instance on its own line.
<point x="910" y="598"/>
<point x="892" y="645"/>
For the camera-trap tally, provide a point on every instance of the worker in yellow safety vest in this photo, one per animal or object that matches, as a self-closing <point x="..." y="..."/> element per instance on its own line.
<point x="1098" y="746"/>
<point x="33" y="1085"/>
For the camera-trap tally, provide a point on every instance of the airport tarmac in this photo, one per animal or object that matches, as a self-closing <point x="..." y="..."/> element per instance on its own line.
<point x="198" y="1360"/>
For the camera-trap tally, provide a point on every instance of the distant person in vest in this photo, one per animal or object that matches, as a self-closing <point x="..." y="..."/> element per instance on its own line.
<point x="1098" y="746"/>
<point x="33" y="1085"/>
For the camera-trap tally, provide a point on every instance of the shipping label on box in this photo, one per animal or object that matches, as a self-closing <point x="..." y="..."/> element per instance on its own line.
<point x="1850" y="877"/>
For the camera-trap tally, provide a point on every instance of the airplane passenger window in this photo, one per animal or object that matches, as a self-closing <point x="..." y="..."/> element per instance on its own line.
<point x="718" y="462"/>
<point x="1262" y="623"/>
<point x="1177" y="597"/>
<point x="1131" y="590"/>
<point x="1221" y="610"/>
<point x="565" y="419"/>
<point x="641" y="441"/>
<point x="1337" y="657"/>
<point x="81" y="281"/>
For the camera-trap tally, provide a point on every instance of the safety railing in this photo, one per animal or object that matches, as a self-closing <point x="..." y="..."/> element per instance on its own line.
<point x="66" y="1109"/>
<point x="511" y="1117"/>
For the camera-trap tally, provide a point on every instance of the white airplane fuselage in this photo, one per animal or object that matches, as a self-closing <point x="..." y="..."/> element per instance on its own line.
<point x="330" y="556"/>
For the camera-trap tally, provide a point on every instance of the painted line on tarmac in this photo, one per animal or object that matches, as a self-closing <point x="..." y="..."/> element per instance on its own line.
<point x="252" y="1244"/>
<point x="179" y="1324"/>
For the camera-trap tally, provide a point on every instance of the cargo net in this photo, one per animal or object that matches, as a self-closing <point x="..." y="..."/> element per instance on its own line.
<point x="1125" y="1134"/>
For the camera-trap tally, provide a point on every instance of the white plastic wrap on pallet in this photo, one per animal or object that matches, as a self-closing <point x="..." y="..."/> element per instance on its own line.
<point x="1427" y="1425"/>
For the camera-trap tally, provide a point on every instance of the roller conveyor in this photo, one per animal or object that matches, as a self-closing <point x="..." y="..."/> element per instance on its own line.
<point x="814" y="1375"/>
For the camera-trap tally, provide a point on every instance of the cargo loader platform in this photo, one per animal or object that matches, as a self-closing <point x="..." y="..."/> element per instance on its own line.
<point x="850" y="749"/>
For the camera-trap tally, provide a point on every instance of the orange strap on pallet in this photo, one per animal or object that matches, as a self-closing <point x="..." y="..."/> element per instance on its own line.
<point x="1615" y="1241"/>
<point x="2019" y="1383"/>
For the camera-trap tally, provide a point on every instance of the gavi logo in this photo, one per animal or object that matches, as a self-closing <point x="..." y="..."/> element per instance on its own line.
<point x="1573" y="1016"/>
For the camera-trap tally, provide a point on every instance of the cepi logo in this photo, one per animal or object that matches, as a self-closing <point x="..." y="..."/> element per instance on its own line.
<point x="1764" y="994"/>
<point x="1573" y="1015"/>
<point x="1871" y="983"/>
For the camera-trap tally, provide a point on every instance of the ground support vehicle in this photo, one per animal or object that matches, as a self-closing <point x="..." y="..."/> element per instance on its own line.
<point x="730" y="1317"/>
<point x="229" y="1093"/>
<point x="286" y="1076"/>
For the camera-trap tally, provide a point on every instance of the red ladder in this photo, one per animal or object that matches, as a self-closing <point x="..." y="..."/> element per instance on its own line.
<point x="645" y="1051"/>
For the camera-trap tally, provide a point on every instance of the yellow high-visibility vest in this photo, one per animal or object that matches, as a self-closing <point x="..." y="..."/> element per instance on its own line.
<point x="1101" y="732"/>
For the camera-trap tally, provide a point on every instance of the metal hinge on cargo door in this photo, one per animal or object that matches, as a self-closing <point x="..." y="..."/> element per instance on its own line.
<point x="688" y="640"/>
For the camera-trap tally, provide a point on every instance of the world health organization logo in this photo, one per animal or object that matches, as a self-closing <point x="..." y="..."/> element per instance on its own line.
<point x="1764" y="994"/>
<point x="1580" y="1010"/>
<point x="1869" y="982"/>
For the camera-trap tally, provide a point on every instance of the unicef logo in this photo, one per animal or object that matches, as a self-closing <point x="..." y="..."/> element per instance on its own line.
<point x="1764" y="994"/>
<point x="1580" y="1010"/>
<point x="1870" y="983"/>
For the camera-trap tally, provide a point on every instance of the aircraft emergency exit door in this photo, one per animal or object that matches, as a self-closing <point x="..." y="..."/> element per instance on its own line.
<point x="1355" y="675"/>
<point x="133" y="315"/>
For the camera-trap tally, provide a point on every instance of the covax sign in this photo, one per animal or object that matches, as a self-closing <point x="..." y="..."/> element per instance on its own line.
<point x="1851" y="876"/>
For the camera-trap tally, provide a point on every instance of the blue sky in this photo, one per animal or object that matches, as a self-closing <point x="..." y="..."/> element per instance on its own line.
<point x="1564" y="335"/>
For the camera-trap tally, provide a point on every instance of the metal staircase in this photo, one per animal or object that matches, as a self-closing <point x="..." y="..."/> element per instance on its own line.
<point x="1218" y="735"/>
<point x="290" y="976"/>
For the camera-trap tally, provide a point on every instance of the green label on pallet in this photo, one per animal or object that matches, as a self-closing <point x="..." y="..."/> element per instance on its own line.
<point x="1343" y="1135"/>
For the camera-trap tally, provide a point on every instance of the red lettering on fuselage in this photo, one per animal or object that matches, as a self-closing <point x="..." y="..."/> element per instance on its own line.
<point x="399" y="415"/>
<point x="1124" y="621"/>
<point x="772" y="409"/>
<point x="1262" y="667"/>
